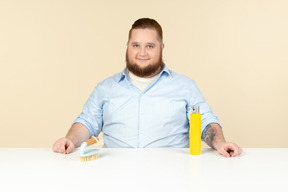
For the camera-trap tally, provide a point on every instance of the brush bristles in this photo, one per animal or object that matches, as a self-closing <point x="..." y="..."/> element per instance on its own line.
<point x="89" y="158"/>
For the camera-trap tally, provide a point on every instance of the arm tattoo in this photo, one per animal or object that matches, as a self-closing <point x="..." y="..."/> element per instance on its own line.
<point x="209" y="134"/>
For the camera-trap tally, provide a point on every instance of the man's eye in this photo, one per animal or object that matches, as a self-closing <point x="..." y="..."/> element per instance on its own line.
<point x="135" y="46"/>
<point x="150" y="46"/>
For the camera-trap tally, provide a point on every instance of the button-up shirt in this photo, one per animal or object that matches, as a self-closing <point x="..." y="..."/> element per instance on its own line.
<point x="159" y="116"/>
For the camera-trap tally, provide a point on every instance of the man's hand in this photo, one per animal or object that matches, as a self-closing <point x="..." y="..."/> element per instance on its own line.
<point x="77" y="134"/>
<point x="228" y="149"/>
<point x="213" y="136"/>
<point x="63" y="145"/>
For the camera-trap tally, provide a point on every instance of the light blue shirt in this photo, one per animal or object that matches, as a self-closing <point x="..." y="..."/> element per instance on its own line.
<point x="157" y="117"/>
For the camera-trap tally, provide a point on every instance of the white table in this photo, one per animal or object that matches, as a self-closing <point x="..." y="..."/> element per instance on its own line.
<point x="166" y="169"/>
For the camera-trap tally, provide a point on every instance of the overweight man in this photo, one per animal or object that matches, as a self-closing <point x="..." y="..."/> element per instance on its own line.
<point x="146" y="105"/>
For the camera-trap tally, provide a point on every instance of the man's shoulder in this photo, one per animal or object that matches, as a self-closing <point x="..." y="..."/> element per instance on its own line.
<point x="177" y="77"/>
<point x="110" y="81"/>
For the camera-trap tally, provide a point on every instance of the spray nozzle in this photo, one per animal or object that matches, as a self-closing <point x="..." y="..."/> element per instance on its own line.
<point x="195" y="109"/>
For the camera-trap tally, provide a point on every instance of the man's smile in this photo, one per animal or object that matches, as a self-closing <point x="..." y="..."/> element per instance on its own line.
<point x="143" y="60"/>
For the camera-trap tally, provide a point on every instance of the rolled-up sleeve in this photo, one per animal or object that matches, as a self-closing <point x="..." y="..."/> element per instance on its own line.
<point x="92" y="113"/>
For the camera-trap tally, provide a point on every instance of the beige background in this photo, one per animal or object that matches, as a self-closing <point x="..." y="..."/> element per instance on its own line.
<point x="53" y="53"/>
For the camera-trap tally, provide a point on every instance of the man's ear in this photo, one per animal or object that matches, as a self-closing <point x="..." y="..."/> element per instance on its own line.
<point x="163" y="45"/>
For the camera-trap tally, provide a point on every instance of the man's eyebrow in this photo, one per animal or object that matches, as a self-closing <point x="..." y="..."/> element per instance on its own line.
<point x="149" y="43"/>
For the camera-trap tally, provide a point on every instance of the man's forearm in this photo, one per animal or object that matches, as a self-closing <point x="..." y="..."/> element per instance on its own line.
<point x="78" y="133"/>
<point x="213" y="135"/>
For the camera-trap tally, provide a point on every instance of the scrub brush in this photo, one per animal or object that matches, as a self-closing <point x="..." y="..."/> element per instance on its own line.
<point x="91" y="154"/>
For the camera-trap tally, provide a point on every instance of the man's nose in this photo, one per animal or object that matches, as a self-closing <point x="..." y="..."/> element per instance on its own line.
<point x="143" y="51"/>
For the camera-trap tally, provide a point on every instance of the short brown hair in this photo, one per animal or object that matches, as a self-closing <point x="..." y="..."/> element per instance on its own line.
<point x="145" y="23"/>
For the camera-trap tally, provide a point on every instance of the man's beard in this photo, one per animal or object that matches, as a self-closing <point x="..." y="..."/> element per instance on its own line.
<point x="147" y="71"/>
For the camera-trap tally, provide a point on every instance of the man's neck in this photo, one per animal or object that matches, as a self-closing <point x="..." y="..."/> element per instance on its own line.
<point x="141" y="82"/>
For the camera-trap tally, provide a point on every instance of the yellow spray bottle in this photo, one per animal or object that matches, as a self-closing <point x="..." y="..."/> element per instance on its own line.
<point x="195" y="131"/>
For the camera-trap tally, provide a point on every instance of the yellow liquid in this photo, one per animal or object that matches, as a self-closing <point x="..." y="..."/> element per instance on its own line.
<point x="195" y="134"/>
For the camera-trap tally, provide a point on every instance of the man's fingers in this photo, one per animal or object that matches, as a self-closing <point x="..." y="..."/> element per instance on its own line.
<point x="56" y="147"/>
<point x="62" y="146"/>
<point x="236" y="152"/>
<point x="70" y="147"/>
<point x="224" y="152"/>
<point x="229" y="150"/>
<point x="232" y="149"/>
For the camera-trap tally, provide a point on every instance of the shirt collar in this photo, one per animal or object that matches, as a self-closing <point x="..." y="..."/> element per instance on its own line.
<point x="125" y="73"/>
